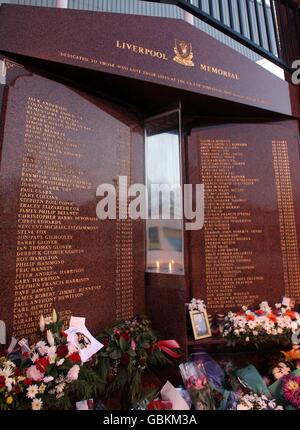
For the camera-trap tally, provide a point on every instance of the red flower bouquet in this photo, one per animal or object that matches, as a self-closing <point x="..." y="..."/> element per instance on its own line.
<point x="130" y="348"/>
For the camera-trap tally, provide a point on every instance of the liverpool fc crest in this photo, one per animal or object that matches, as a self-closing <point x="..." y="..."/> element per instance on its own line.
<point x="184" y="53"/>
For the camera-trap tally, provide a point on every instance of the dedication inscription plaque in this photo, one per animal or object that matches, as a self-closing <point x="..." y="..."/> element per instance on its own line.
<point x="139" y="47"/>
<point x="248" y="250"/>
<point x="58" y="146"/>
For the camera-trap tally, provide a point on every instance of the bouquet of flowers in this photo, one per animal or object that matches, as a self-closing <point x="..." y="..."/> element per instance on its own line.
<point x="286" y="388"/>
<point x="281" y="370"/>
<point x="130" y="348"/>
<point x="196" y="305"/>
<point x="291" y="390"/>
<point x="262" y="325"/>
<point x="287" y="362"/>
<point x="11" y="384"/>
<point x="293" y="357"/>
<point x="257" y="402"/>
<point x="51" y="371"/>
<point x="200" y="392"/>
<point x="197" y="385"/>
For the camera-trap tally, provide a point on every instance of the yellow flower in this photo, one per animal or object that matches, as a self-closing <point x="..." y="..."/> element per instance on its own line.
<point x="54" y="316"/>
<point x="21" y="378"/>
<point x="9" y="400"/>
<point x="42" y="388"/>
<point x="293" y="385"/>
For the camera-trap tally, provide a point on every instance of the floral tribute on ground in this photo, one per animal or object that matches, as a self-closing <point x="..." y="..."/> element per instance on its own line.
<point x="50" y="373"/>
<point x="11" y="384"/>
<point x="130" y="349"/>
<point x="212" y="386"/>
<point x="55" y="371"/>
<point x="285" y="370"/>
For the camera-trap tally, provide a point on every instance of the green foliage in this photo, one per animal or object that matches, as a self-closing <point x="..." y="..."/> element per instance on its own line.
<point x="63" y="403"/>
<point x="88" y="385"/>
<point x="130" y="349"/>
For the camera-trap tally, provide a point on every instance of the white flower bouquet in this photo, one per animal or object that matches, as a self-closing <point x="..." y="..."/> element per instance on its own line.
<point x="11" y="384"/>
<point x="49" y="374"/>
<point x="196" y="305"/>
<point x="263" y="325"/>
<point x="257" y="402"/>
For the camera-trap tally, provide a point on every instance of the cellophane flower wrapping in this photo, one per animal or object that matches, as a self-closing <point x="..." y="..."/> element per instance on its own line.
<point x="196" y="382"/>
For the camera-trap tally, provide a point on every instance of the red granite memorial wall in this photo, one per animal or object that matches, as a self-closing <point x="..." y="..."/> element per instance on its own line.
<point x="59" y="143"/>
<point x="58" y="146"/>
<point x="248" y="250"/>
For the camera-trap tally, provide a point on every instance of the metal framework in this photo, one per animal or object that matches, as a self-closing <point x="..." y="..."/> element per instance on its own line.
<point x="271" y="28"/>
